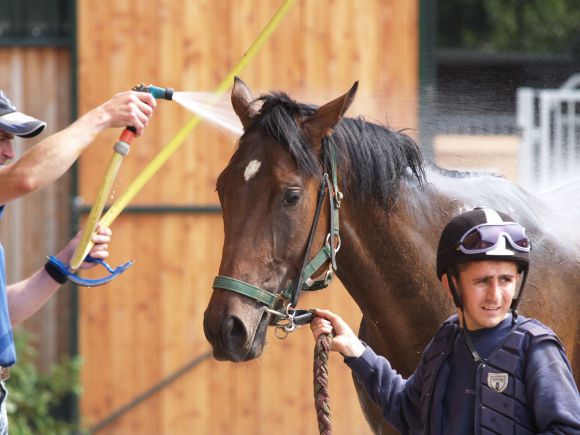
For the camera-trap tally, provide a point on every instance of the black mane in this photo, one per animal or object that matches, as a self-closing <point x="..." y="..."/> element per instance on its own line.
<point x="372" y="157"/>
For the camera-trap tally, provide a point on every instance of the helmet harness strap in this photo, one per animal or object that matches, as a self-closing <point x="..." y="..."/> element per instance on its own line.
<point x="516" y="300"/>
<point x="452" y="272"/>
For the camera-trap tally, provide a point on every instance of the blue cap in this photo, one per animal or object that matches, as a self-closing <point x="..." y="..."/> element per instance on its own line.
<point x="17" y="123"/>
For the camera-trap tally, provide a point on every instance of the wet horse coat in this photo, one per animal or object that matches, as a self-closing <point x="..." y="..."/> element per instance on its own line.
<point x="395" y="206"/>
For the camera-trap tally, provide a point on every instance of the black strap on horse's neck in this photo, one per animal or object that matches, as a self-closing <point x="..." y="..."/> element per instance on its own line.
<point x="321" y="194"/>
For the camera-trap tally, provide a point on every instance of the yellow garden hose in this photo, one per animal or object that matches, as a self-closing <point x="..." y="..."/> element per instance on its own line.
<point x="149" y="171"/>
<point x="121" y="150"/>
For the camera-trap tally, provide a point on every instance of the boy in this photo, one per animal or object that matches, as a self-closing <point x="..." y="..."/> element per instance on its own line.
<point x="485" y="371"/>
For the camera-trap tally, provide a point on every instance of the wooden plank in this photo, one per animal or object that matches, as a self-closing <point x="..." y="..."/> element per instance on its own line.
<point x="148" y="323"/>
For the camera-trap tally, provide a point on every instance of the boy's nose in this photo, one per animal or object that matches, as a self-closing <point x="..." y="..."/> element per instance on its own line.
<point x="494" y="289"/>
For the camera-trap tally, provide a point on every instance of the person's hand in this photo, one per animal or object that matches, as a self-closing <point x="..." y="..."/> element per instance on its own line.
<point x="129" y="109"/>
<point x="344" y="341"/>
<point x="101" y="239"/>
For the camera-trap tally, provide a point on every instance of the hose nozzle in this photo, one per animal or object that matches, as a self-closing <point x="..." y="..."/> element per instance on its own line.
<point x="156" y="91"/>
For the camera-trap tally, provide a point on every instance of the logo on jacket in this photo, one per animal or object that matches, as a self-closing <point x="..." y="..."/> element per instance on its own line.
<point x="497" y="381"/>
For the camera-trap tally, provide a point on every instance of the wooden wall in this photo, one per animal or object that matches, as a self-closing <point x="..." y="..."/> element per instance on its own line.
<point x="37" y="80"/>
<point x="148" y="323"/>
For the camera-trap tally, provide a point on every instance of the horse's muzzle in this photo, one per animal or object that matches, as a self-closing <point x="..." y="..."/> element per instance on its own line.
<point x="232" y="340"/>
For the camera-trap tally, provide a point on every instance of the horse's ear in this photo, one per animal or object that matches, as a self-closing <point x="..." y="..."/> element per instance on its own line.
<point x="243" y="102"/>
<point x="321" y="123"/>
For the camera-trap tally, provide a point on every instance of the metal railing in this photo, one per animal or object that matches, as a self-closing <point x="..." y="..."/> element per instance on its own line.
<point x="549" y="120"/>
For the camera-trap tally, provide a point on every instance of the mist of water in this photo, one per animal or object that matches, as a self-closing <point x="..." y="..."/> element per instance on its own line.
<point x="463" y="107"/>
<point x="204" y="104"/>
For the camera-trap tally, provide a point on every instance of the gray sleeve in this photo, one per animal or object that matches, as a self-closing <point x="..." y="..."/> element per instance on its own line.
<point x="398" y="398"/>
<point x="552" y="392"/>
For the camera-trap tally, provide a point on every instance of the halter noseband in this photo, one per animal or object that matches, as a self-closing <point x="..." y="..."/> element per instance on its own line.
<point x="281" y="304"/>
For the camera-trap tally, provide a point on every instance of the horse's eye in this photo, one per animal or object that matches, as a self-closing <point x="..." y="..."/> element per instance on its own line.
<point x="291" y="198"/>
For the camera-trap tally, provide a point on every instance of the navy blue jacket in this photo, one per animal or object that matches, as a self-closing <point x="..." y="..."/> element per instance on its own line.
<point x="449" y="393"/>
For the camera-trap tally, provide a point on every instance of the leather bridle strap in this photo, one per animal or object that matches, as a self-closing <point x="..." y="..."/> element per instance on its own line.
<point x="290" y="293"/>
<point x="243" y="288"/>
<point x="301" y="277"/>
<point x="281" y="304"/>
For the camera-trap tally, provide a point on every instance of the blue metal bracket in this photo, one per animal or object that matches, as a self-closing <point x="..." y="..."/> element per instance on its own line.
<point x="84" y="282"/>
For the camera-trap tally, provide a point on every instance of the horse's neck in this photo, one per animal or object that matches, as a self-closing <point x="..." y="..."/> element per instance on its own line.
<point x="396" y="251"/>
<point x="388" y="265"/>
<point x="387" y="262"/>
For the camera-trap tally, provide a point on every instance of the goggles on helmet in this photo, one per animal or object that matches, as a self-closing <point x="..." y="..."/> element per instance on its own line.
<point x="485" y="237"/>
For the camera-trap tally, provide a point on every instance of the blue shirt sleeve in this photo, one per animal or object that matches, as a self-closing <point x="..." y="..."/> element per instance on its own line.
<point x="551" y="390"/>
<point x="398" y="398"/>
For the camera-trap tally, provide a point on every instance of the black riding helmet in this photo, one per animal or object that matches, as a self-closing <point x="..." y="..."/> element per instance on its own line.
<point x="483" y="234"/>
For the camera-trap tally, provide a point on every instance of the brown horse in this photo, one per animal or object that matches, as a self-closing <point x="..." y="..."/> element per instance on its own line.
<point x="394" y="208"/>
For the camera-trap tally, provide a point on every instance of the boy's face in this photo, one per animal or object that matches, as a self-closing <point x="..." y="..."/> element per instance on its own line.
<point x="486" y="289"/>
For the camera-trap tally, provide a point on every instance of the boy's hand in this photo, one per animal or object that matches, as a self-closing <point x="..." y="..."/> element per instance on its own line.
<point x="344" y="341"/>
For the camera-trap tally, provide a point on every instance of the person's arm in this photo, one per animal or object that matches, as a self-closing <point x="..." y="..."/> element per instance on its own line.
<point x="53" y="156"/>
<point x="29" y="295"/>
<point x="398" y="398"/>
<point x="552" y="392"/>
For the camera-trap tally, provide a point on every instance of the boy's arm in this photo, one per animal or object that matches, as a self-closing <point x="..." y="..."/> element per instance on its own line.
<point x="398" y="398"/>
<point x="552" y="392"/>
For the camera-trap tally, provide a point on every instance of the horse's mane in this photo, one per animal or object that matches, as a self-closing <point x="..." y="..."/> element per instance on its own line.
<point x="372" y="157"/>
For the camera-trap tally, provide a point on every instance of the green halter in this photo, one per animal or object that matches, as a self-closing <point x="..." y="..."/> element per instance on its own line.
<point x="281" y="304"/>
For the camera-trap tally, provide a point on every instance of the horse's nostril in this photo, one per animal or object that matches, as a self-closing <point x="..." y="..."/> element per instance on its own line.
<point x="233" y="333"/>
<point x="208" y="331"/>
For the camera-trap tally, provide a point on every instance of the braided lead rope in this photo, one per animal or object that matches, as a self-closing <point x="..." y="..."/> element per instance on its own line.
<point x="321" y="394"/>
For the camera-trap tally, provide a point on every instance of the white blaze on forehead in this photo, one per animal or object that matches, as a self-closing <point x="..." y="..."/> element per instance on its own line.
<point x="251" y="169"/>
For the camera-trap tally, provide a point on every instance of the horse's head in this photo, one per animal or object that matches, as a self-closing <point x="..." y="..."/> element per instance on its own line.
<point x="268" y="194"/>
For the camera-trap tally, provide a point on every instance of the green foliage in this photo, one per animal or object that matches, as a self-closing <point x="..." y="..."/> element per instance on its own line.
<point x="535" y="26"/>
<point x="33" y="396"/>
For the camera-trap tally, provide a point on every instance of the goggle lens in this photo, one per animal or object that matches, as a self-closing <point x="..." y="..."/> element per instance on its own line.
<point x="485" y="237"/>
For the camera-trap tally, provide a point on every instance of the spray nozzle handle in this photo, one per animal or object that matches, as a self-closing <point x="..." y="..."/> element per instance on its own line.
<point x="156" y="91"/>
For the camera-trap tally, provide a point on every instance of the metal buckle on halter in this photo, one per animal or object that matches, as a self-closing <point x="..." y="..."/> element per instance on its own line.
<point x="320" y="283"/>
<point x="292" y="320"/>
<point x="337" y="196"/>
<point x="285" y="325"/>
<point x="339" y="240"/>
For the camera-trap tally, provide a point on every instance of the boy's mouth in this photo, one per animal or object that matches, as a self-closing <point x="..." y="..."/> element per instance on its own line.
<point x="488" y="308"/>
